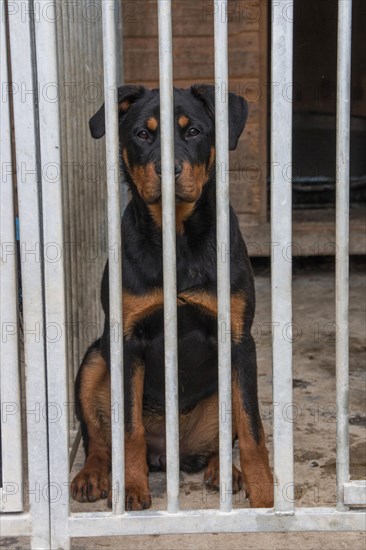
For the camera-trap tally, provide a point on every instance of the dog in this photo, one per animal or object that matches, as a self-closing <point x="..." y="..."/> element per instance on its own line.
<point x="143" y="329"/>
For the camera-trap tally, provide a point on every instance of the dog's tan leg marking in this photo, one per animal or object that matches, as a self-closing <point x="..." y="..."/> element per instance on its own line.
<point x="137" y="487"/>
<point x="253" y="456"/>
<point x="92" y="482"/>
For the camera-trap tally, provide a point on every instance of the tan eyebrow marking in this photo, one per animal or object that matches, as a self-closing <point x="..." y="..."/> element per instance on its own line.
<point x="152" y="123"/>
<point x="183" y="121"/>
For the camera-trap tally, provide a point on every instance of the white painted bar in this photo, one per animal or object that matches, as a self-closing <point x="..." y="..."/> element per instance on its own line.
<point x="11" y="470"/>
<point x="354" y="493"/>
<point x="215" y="521"/>
<point x="223" y="250"/>
<point x="17" y="525"/>
<point x="281" y="237"/>
<point x="28" y="188"/>
<point x="74" y="195"/>
<point x="121" y="81"/>
<point x="115" y="260"/>
<point x="342" y="240"/>
<point x="66" y="139"/>
<point x="54" y="276"/>
<point x="169" y="252"/>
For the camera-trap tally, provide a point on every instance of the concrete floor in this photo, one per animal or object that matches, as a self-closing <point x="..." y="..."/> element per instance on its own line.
<point x="314" y="424"/>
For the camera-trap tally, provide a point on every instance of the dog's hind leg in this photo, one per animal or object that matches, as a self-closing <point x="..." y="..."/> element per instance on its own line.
<point x="93" y="400"/>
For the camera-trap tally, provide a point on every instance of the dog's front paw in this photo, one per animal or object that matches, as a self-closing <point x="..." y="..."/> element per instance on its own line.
<point x="90" y="484"/>
<point x="137" y="496"/>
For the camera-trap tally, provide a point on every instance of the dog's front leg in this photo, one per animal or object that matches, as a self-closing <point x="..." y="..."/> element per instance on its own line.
<point x="136" y="470"/>
<point x="254" y="462"/>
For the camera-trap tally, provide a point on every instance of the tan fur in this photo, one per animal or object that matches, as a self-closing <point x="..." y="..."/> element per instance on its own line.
<point x="137" y="307"/>
<point x="208" y="302"/>
<point x="253" y="457"/>
<point x="237" y="303"/>
<point x="137" y="488"/>
<point x="96" y="383"/>
<point x="92" y="482"/>
<point x="147" y="181"/>
<point x="198" y="429"/>
<point x="124" y="105"/>
<point x="212" y="474"/>
<point x="152" y="123"/>
<point x="189" y="185"/>
<point x="183" y="121"/>
<point x="145" y="178"/>
<point x="182" y="212"/>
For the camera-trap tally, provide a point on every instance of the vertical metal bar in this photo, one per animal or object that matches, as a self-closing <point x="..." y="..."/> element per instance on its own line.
<point x="342" y="240"/>
<point x="54" y="275"/>
<point x="11" y="471"/>
<point x="120" y="80"/>
<point x="119" y="34"/>
<point x="76" y="198"/>
<point x="169" y="252"/>
<point x="92" y="184"/>
<point x="62" y="48"/>
<point x="281" y="236"/>
<point x="98" y="154"/>
<point x="115" y="260"/>
<point x="89" y="199"/>
<point x="28" y="188"/>
<point x="80" y="183"/>
<point x="223" y="245"/>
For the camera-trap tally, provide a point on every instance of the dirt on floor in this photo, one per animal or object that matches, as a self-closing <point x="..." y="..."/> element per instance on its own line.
<point x="313" y="413"/>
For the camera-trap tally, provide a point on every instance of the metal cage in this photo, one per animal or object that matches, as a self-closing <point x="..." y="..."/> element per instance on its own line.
<point x="50" y="176"/>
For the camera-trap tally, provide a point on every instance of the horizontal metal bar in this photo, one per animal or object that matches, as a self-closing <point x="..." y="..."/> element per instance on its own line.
<point x="169" y="253"/>
<point x="215" y="521"/>
<point x="342" y="240"/>
<point x="15" y="525"/>
<point x="354" y="493"/>
<point x="223" y="243"/>
<point x="281" y="235"/>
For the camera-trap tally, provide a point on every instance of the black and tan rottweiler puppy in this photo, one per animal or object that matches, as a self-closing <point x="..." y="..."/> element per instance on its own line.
<point x="194" y="143"/>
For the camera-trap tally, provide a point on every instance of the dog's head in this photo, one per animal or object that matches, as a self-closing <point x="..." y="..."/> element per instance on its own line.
<point x="194" y="138"/>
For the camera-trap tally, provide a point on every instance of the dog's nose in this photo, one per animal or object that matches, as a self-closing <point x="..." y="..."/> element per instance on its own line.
<point x="177" y="169"/>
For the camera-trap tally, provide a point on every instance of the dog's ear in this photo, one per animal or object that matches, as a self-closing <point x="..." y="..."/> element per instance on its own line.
<point x="126" y="96"/>
<point x="238" y="110"/>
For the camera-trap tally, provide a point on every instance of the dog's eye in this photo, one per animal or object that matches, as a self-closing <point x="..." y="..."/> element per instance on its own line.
<point x="143" y="134"/>
<point x="192" y="132"/>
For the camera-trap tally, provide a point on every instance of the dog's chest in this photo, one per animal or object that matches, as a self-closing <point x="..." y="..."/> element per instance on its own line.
<point x="197" y="355"/>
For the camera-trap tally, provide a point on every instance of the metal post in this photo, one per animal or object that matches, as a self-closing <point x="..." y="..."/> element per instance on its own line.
<point x="54" y="275"/>
<point x="11" y="470"/>
<point x="342" y="240"/>
<point x="121" y="81"/>
<point x="169" y="253"/>
<point x="21" y="32"/>
<point x="223" y="251"/>
<point x="115" y="260"/>
<point x="281" y="236"/>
